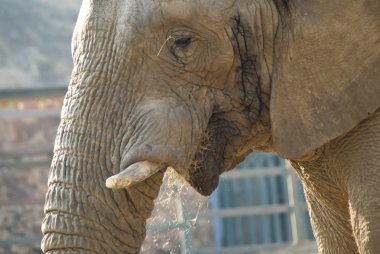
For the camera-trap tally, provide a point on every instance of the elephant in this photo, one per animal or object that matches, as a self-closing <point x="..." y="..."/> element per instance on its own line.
<point x="198" y="85"/>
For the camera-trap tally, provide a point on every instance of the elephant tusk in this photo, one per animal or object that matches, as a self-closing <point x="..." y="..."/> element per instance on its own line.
<point x="134" y="174"/>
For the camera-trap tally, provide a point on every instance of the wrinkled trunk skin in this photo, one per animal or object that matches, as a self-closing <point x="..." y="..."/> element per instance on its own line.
<point x="82" y="215"/>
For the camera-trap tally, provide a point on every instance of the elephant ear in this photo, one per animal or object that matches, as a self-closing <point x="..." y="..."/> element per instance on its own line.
<point x="327" y="78"/>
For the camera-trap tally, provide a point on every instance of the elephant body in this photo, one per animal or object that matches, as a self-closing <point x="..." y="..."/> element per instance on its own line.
<point x="196" y="85"/>
<point x="342" y="189"/>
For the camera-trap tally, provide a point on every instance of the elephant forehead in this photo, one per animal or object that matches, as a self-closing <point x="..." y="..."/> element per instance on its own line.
<point x="152" y="14"/>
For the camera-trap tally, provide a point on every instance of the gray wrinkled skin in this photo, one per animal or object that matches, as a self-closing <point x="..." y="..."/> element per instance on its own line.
<point x="196" y="85"/>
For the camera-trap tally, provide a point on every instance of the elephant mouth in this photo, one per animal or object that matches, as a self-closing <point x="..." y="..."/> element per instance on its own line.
<point x="203" y="182"/>
<point x="202" y="174"/>
<point x="209" y="161"/>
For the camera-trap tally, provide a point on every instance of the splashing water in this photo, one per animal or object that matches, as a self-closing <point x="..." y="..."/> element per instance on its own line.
<point x="175" y="217"/>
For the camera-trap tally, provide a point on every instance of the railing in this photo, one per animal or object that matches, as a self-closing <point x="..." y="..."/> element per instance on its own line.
<point x="28" y="103"/>
<point x="31" y="102"/>
<point x="294" y="208"/>
<point x="32" y="92"/>
<point x="184" y="223"/>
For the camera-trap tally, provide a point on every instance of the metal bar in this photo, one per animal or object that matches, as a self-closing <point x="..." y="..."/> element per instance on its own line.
<point x="251" y="249"/>
<point x="27" y="240"/>
<point x="32" y="93"/>
<point x="185" y="234"/>
<point x="253" y="173"/>
<point x="25" y="203"/>
<point x="25" y="164"/>
<point x="30" y="112"/>
<point x="295" y="214"/>
<point x="13" y="153"/>
<point x="17" y="155"/>
<point x="168" y="226"/>
<point x="249" y="211"/>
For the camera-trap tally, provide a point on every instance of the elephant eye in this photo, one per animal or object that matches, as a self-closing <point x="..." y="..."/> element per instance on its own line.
<point x="182" y="42"/>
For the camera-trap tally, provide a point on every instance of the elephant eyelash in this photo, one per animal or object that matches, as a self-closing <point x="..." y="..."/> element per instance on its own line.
<point x="179" y="42"/>
<point x="163" y="45"/>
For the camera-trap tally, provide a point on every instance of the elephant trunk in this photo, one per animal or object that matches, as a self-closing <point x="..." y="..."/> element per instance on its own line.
<point x="82" y="215"/>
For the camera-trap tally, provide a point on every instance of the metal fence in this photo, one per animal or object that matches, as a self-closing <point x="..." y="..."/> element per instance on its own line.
<point x="184" y="217"/>
<point x="294" y="207"/>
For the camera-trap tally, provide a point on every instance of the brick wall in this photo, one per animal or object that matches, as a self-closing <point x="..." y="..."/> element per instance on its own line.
<point x="23" y="185"/>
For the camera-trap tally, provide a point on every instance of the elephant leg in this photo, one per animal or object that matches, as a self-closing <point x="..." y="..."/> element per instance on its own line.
<point x="360" y="158"/>
<point x="328" y="206"/>
<point x="364" y="198"/>
<point x="332" y="231"/>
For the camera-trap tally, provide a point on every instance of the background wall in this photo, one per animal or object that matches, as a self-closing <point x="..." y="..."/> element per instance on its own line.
<point x="35" y="37"/>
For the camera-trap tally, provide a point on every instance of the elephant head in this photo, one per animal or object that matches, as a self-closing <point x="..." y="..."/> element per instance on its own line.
<point x="196" y="85"/>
